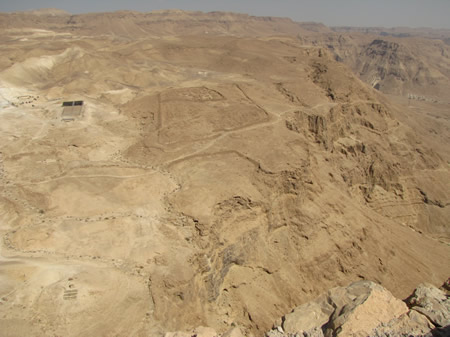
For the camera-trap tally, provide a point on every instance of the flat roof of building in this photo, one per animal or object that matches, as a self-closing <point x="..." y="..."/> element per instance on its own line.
<point x="71" y="110"/>
<point x="72" y="103"/>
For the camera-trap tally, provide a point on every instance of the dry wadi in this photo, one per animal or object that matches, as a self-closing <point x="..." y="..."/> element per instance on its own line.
<point x="222" y="170"/>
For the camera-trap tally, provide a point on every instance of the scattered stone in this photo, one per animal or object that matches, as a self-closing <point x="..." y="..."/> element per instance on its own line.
<point x="178" y="334"/>
<point x="308" y="316"/>
<point x="197" y="332"/>
<point x="431" y="302"/>
<point x="233" y="332"/>
<point x="366" y="309"/>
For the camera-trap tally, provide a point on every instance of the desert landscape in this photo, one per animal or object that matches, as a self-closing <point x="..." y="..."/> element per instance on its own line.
<point x="223" y="170"/>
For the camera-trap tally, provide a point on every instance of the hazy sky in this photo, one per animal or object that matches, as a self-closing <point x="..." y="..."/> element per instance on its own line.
<point x="388" y="13"/>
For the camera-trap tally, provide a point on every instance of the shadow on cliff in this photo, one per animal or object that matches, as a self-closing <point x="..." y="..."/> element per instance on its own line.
<point x="441" y="332"/>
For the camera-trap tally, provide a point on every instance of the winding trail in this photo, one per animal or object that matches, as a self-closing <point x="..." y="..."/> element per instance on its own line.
<point x="275" y="118"/>
<point x="88" y="177"/>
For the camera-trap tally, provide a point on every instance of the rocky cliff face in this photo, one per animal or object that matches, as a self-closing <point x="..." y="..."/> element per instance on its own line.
<point x="393" y="65"/>
<point x="362" y="309"/>
<point x="366" y="309"/>
<point x="392" y="68"/>
<point x="212" y="179"/>
<point x="131" y="25"/>
<point x="394" y="61"/>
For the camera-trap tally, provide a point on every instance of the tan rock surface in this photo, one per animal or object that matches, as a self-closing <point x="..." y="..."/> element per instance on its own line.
<point x="432" y="303"/>
<point x="365" y="309"/>
<point x="213" y="178"/>
<point x="198" y="332"/>
<point x="352" y="311"/>
<point x="369" y="308"/>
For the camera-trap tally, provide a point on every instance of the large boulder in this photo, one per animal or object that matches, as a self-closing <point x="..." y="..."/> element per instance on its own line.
<point x="233" y="332"/>
<point x="206" y="332"/>
<point x="431" y="302"/>
<point x="351" y="311"/>
<point x="366" y="309"/>
<point x="308" y="316"/>
<point x="411" y="324"/>
<point x="197" y="332"/>
<point x="363" y="309"/>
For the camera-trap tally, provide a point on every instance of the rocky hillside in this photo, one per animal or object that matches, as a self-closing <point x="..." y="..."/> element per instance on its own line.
<point x="132" y="25"/>
<point x="211" y="179"/>
<point x="400" y="32"/>
<point x="361" y="309"/>
<point x="397" y="61"/>
<point x="393" y="65"/>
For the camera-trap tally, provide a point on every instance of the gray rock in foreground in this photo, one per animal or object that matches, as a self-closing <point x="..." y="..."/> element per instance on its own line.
<point x="366" y="309"/>
<point x="431" y="302"/>
<point x="362" y="309"/>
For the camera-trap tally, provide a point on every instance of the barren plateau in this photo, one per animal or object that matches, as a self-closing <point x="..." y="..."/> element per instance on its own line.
<point x="225" y="169"/>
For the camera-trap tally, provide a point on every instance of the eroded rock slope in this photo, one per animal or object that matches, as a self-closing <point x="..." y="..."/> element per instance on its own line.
<point x="211" y="180"/>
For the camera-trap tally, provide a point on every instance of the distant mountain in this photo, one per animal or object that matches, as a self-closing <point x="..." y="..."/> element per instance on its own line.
<point x="395" y="60"/>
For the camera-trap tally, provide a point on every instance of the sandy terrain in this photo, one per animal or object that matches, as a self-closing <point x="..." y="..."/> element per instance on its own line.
<point x="213" y="178"/>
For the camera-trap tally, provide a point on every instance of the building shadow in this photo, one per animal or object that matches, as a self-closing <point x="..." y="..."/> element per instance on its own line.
<point x="440" y="332"/>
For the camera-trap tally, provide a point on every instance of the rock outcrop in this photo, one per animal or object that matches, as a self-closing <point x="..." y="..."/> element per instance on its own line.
<point x="362" y="309"/>
<point x="432" y="303"/>
<point x="365" y="308"/>
<point x="206" y="332"/>
<point x="224" y="171"/>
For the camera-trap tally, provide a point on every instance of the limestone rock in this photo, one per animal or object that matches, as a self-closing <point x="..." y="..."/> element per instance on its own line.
<point x="205" y="332"/>
<point x="366" y="309"/>
<point x="177" y="334"/>
<point x="233" y="332"/>
<point x="215" y="177"/>
<point x="431" y="302"/>
<point x="409" y="324"/>
<point x="197" y="332"/>
<point x="315" y="332"/>
<point x="308" y="316"/>
<point x="352" y="311"/>
<point x="363" y="307"/>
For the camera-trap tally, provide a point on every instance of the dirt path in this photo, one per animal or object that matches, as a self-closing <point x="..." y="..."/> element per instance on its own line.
<point x="275" y="118"/>
<point x="88" y="176"/>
